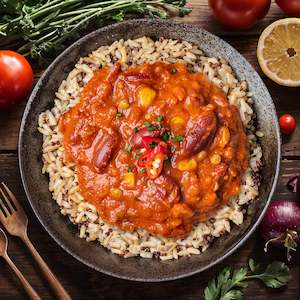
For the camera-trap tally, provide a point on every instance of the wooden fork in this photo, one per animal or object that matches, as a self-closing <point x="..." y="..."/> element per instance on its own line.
<point x="15" y="222"/>
<point x="3" y="252"/>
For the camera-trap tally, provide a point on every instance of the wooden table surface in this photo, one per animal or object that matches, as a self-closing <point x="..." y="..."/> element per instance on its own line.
<point x="85" y="283"/>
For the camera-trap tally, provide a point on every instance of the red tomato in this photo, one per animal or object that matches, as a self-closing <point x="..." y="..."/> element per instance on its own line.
<point x="287" y="124"/>
<point x="290" y="7"/>
<point x="239" y="14"/>
<point x="16" y="78"/>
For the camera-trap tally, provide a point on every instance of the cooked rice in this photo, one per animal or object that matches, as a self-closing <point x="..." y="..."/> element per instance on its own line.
<point x="63" y="182"/>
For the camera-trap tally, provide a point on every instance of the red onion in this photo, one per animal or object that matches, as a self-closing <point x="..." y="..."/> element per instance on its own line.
<point x="281" y="225"/>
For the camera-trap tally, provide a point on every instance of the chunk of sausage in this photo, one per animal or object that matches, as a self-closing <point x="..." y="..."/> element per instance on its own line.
<point x="104" y="147"/>
<point x="160" y="192"/>
<point x="201" y="131"/>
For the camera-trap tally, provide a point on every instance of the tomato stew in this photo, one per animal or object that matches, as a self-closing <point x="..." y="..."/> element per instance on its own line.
<point x="155" y="147"/>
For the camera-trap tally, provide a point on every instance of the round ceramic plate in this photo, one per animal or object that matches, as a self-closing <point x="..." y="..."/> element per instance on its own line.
<point x="36" y="184"/>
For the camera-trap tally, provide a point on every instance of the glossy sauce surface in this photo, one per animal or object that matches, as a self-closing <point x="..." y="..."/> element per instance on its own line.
<point x="206" y="147"/>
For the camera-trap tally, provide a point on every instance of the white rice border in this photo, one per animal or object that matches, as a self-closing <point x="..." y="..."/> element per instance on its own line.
<point x="63" y="182"/>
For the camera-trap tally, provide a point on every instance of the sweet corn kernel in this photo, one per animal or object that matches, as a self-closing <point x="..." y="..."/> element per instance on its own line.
<point x="145" y="96"/>
<point x="225" y="137"/>
<point x="123" y="104"/>
<point x="177" y="121"/>
<point x="129" y="180"/>
<point x="81" y="206"/>
<point x="116" y="193"/>
<point x="215" y="159"/>
<point x="187" y="165"/>
<point x="201" y="155"/>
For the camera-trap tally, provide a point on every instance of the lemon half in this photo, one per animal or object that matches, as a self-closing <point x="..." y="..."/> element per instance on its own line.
<point x="278" y="51"/>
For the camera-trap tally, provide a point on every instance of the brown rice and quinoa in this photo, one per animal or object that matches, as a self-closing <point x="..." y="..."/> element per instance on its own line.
<point x="63" y="182"/>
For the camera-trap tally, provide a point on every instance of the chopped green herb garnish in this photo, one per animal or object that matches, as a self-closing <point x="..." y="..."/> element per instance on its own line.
<point x="130" y="169"/>
<point x="129" y="148"/>
<point x="153" y="144"/>
<point x="147" y="124"/>
<point x="142" y="170"/>
<point x="174" y="71"/>
<point x="178" y="138"/>
<point x="166" y="163"/>
<point x="160" y="118"/>
<point x="135" y="130"/>
<point x="152" y="128"/>
<point x="166" y="135"/>
<point x="118" y="115"/>
<point x="138" y="155"/>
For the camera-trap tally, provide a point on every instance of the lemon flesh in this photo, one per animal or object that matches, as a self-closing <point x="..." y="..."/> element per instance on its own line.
<point x="278" y="51"/>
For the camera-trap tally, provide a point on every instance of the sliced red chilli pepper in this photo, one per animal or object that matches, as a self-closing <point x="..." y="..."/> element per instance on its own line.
<point x="150" y="142"/>
<point x="155" y="165"/>
<point x="136" y="140"/>
<point x="142" y="161"/>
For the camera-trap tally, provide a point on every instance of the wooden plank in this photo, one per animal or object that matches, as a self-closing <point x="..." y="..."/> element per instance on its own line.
<point x="84" y="283"/>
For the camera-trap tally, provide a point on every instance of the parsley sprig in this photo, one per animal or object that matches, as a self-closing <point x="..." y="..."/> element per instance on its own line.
<point x="229" y="282"/>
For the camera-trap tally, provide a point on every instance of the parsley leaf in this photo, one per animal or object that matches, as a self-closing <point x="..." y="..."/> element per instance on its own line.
<point x="178" y="138"/>
<point x="118" y="115"/>
<point x="153" y="144"/>
<point x="130" y="169"/>
<point x="147" y="124"/>
<point x="160" y="118"/>
<point x="142" y="170"/>
<point x="135" y="130"/>
<point x="166" y="163"/>
<point x="226" y="285"/>
<point x="166" y="135"/>
<point x="129" y="148"/>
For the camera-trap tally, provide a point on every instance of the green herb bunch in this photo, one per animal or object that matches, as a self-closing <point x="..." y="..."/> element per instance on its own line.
<point x="228" y="283"/>
<point x="40" y="27"/>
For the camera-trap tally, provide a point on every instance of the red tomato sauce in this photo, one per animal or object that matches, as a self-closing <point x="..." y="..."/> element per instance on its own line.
<point x="155" y="147"/>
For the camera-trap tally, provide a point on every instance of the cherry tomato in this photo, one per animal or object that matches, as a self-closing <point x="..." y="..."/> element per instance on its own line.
<point x="16" y="78"/>
<point x="237" y="14"/>
<point x="287" y="124"/>
<point x="290" y="7"/>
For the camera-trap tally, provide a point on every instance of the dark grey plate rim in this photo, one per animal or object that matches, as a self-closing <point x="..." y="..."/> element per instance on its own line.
<point x="233" y="248"/>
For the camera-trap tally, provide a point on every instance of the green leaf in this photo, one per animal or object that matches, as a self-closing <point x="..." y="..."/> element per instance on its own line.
<point x="178" y="138"/>
<point x="276" y="275"/>
<point x="214" y="287"/>
<point x="160" y="118"/>
<point x="166" y="135"/>
<point x="211" y="292"/>
<point x="153" y="144"/>
<point x="233" y="295"/>
<point x="147" y="124"/>
<point x="135" y="130"/>
<point x="254" y="267"/>
<point x="142" y="170"/>
<point x="129" y="148"/>
<point x="224" y="287"/>
<point x="118" y="115"/>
